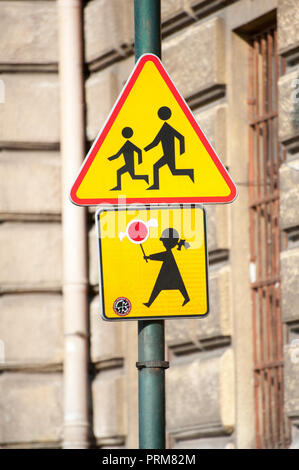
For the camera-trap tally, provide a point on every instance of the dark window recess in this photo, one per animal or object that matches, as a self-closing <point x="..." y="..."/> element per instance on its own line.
<point x="265" y="157"/>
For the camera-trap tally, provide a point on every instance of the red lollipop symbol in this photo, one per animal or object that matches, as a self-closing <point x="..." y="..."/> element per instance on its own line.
<point x="137" y="231"/>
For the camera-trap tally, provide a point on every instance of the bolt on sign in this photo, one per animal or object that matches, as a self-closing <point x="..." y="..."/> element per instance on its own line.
<point x="153" y="262"/>
<point x="151" y="149"/>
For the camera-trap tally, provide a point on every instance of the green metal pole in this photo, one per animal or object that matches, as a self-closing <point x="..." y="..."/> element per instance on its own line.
<point x="147" y="27"/>
<point x="151" y="381"/>
<point x="151" y="364"/>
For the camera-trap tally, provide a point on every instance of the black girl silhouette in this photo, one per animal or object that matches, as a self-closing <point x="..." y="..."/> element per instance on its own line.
<point x="169" y="277"/>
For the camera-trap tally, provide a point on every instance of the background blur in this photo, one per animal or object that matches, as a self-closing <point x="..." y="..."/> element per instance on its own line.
<point x="67" y="378"/>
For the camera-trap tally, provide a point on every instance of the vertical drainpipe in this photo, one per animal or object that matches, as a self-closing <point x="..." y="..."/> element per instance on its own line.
<point x="75" y="278"/>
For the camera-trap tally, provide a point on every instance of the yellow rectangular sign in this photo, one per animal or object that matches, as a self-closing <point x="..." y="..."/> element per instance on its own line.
<point x="153" y="262"/>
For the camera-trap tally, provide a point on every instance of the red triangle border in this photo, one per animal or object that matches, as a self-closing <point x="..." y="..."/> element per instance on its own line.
<point x="107" y="126"/>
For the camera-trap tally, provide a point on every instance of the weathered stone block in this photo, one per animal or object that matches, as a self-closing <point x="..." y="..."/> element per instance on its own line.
<point x="288" y="24"/>
<point x="295" y="436"/>
<point x="108" y="25"/>
<point x="291" y="379"/>
<point x="101" y="93"/>
<point x="217" y="227"/>
<point x="108" y="405"/>
<point x="223" y="442"/>
<point x="177" y="332"/>
<point x="102" y="90"/>
<point x="219" y="321"/>
<point x="31" y="109"/>
<point x="30" y="182"/>
<point x="28" y="32"/>
<point x="289" y="194"/>
<point x="131" y="383"/>
<point x="195" y="3"/>
<point x="216" y="324"/>
<point x="171" y="8"/>
<point x="200" y="397"/>
<point x="106" y="338"/>
<point x="30" y="408"/>
<point x="289" y="260"/>
<point x="288" y="105"/>
<point x="213" y="123"/>
<point x="30" y="255"/>
<point x="31" y="328"/>
<point x="195" y="58"/>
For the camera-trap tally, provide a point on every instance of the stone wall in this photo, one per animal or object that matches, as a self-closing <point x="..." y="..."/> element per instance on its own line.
<point x="30" y="228"/>
<point x="288" y="24"/>
<point x="210" y="380"/>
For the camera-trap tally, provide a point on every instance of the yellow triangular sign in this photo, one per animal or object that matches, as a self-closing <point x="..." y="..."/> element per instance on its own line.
<point x="151" y="149"/>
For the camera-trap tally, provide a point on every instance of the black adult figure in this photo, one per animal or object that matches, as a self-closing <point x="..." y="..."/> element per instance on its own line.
<point x="169" y="277"/>
<point x="166" y="136"/>
<point x="127" y="150"/>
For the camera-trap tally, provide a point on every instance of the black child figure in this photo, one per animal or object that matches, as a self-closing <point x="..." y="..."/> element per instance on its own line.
<point x="166" y="136"/>
<point x="128" y="150"/>
<point x="169" y="277"/>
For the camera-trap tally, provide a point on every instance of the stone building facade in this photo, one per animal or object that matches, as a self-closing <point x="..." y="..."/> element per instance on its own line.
<point x="218" y="393"/>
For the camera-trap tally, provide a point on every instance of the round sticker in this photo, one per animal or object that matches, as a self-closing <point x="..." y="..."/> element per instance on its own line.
<point x="122" y="306"/>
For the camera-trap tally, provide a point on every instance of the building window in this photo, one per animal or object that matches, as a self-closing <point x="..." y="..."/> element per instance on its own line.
<point x="264" y="160"/>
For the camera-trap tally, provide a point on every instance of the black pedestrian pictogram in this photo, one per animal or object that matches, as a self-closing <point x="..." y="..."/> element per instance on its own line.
<point x="169" y="277"/>
<point x="128" y="150"/>
<point x="166" y="136"/>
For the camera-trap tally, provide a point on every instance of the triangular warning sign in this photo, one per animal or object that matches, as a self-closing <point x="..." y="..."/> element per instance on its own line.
<point x="151" y="149"/>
